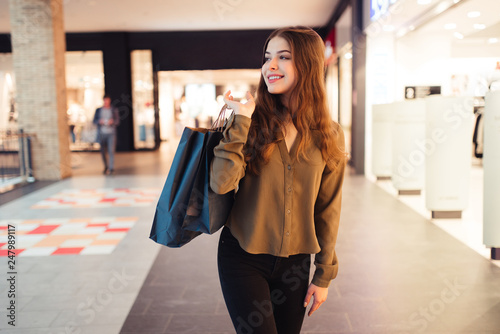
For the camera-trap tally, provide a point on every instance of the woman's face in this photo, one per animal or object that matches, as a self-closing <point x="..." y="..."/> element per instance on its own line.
<point x="278" y="69"/>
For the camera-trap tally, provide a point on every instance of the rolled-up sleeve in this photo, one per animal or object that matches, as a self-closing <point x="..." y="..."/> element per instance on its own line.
<point x="228" y="165"/>
<point x="327" y="218"/>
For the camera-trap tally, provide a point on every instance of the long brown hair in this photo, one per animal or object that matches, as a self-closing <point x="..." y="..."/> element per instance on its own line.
<point x="307" y="105"/>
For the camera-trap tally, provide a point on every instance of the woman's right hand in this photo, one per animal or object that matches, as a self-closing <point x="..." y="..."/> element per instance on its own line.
<point x="245" y="109"/>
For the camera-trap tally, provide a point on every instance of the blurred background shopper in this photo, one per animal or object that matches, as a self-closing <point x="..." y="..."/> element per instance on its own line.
<point x="285" y="156"/>
<point x="107" y="119"/>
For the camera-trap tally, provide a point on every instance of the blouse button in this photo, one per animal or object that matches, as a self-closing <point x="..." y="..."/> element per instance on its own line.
<point x="289" y="167"/>
<point x="288" y="211"/>
<point x="287" y="234"/>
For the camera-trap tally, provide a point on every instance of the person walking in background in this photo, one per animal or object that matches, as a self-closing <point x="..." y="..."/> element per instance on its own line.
<point x="107" y="119"/>
<point x="285" y="157"/>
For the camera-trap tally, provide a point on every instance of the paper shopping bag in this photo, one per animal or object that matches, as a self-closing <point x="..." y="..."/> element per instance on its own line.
<point x="187" y="206"/>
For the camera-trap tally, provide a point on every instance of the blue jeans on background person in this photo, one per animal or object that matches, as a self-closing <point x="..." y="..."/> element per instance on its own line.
<point x="108" y="143"/>
<point x="264" y="294"/>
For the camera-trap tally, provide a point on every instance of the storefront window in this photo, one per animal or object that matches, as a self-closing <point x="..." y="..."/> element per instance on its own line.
<point x="332" y="89"/>
<point x="85" y="89"/>
<point x="194" y="98"/>
<point x="345" y="92"/>
<point x="432" y="71"/>
<point x="143" y="98"/>
<point x="8" y="114"/>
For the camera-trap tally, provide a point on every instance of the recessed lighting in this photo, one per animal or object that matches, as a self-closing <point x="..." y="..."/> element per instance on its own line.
<point x="388" y="27"/>
<point x="492" y="40"/>
<point x="450" y="26"/>
<point x="473" y="14"/>
<point x="479" y="26"/>
<point x="401" y="32"/>
<point x="441" y="7"/>
<point x="348" y="55"/>
<point x="458" y="35"/>
<point x="424" y="2"/>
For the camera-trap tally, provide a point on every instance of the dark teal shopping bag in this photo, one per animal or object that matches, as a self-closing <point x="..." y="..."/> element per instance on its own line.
<point x="187" y="207"/>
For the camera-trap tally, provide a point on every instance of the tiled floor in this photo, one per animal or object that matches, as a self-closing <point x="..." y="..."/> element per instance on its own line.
<point x="42" y="237"/>
<point x="399" y="273"/>
<point x="100" y="198"/>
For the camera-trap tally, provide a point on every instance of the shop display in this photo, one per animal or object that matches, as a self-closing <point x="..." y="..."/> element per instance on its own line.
<point x="478" y="136"/>
<point x="491" y="166"/>
<point x="84" y="92"/>
<point x="8" y="114"/>
<point x="408" y="155"/>
<point x="383" y="119"/>
<point x="447" y="147"/>
<point x="418" y="92"/>
<point x="414" y="48"/>
<point x="494" y="78"/>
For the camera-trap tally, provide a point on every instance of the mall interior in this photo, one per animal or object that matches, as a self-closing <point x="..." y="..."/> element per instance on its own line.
<point x="414" y="84"/>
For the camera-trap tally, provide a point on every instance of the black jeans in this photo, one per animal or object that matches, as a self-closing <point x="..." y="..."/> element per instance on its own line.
<point x="264" y="294"/>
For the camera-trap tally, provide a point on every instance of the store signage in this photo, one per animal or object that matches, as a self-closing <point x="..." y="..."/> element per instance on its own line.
<point x="417" y="92"/>
<point x="379" y="8"/>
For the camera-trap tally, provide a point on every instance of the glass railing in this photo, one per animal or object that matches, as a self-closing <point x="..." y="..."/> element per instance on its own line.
<point x="15" y="159"/>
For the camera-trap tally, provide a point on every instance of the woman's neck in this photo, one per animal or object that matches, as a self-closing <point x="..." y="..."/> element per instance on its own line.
<point x="285" y="100"/>
<point x="288" y="104"/>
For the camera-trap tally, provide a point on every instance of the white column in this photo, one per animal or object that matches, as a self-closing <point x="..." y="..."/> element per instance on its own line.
<point x="491" y="165"/>
<point x="408" y="159"/>
<point x="383" y="120"/>
<point x="448" y="148"/>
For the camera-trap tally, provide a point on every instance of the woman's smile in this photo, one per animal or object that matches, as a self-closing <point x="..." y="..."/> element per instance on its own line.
<point x="273" y="78"/>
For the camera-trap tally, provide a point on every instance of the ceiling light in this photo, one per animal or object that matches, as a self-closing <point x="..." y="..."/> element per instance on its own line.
<point x="458" y="35"/>
<point x="441" y="7"/>
<point x="473" y="14"/>
<point x="492" y="40"/>
<point x="401" y="32"/>
<point x="450" y="26"/>
<point x="424" y="2"/>
<point x="479" y="26"/>
<point x="348" y="55"/>
<point x="388" y="27"/>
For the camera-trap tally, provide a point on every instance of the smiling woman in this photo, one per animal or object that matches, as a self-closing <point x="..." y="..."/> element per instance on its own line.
<point x="285" y="157"/>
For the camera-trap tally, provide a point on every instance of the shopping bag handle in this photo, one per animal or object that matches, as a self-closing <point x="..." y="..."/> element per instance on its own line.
<point x="220" y="123"/>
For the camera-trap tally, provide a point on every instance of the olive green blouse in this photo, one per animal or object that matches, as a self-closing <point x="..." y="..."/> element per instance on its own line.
<point x="291" y="207"/>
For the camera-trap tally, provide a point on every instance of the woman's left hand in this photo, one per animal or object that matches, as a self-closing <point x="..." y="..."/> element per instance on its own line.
<point x="245" y="109"/>
<point x="319" y="294"/>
